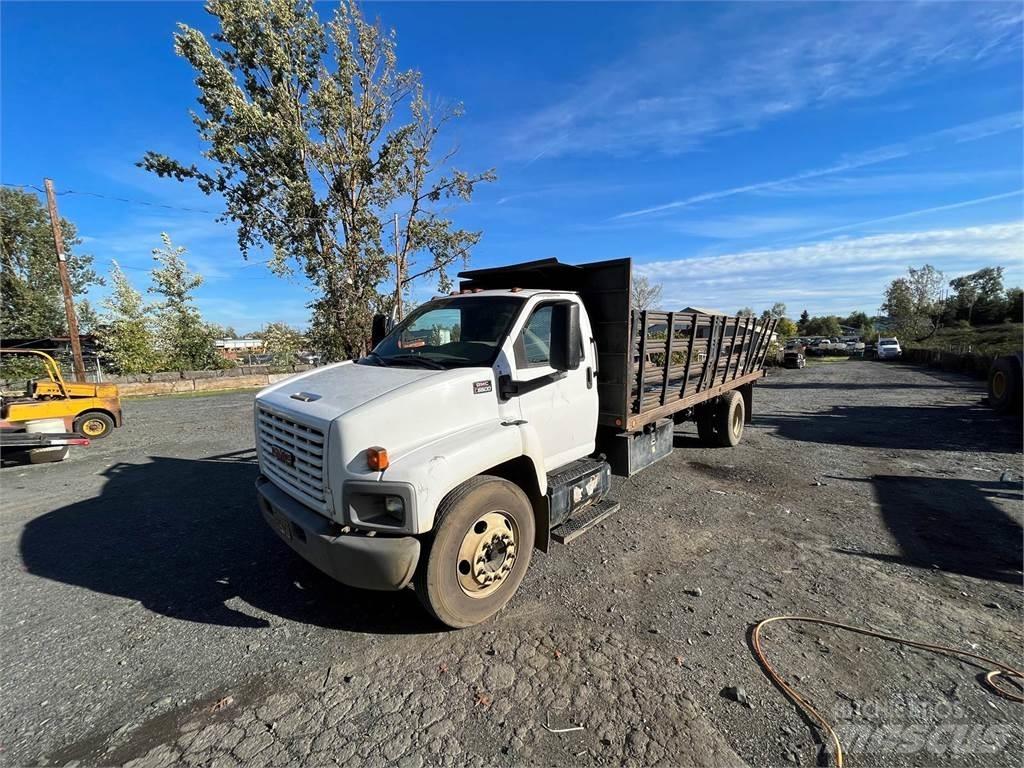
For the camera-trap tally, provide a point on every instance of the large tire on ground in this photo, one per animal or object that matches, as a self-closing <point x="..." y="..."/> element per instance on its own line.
<point x="1004" y="384"/>
<point x="730" y="416"/>
<point x="94" y="424"/>
<point x="480" y="550"/>
<point x="704" y="415"/>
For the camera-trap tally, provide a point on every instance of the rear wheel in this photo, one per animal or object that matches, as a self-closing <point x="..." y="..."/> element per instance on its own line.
<point x="729" y="418"/>
<point x="480" y="551"/>
<point x="94" y="424"/>
<point x="1003" y="384"/>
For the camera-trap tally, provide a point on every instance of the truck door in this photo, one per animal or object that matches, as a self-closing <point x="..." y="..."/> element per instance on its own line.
<point x="563" y="413"/>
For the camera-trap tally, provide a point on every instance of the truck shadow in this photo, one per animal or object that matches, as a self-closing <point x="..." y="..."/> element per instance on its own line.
<point x="936" y="428"/>
<point x="185" y="539"/>
<point x="953" y="525"/>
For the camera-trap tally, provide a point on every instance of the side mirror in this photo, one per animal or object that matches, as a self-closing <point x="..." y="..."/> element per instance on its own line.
<point x="566" y="342"/>
<point x="378" y="330"/>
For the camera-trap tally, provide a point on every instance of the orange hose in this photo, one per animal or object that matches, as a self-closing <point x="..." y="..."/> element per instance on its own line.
<point x="793" y="695"/>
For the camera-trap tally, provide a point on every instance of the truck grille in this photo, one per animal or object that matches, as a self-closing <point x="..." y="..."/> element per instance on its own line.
<point x="292" y="455"/>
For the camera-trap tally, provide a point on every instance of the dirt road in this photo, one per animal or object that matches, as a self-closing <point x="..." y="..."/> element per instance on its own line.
<point x="146" y="611"/>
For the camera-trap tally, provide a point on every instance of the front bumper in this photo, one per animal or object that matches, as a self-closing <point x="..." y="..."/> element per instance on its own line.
<point x="367" y="562"/>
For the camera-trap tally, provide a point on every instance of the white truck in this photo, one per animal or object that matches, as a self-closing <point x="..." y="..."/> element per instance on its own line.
<point x="488" y="423"/>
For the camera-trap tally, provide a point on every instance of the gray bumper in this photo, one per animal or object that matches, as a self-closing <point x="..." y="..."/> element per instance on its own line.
<point x="378" y="562"/>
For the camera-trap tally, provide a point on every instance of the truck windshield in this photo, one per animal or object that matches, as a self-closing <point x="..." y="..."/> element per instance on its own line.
<point x="459" y="332"/>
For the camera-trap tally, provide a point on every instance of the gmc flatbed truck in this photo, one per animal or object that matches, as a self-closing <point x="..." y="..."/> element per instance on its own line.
<point x="487" y="424"/>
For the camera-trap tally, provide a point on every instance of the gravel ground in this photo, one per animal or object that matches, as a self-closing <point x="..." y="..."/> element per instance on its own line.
<point x="146" y="613"/>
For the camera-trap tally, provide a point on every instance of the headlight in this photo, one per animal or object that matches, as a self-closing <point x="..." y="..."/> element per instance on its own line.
<point x="394" y="505"/>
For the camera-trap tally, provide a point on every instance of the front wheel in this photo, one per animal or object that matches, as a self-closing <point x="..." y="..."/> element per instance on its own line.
<point x="481" y="548"/>
<point x="94" y="424"/>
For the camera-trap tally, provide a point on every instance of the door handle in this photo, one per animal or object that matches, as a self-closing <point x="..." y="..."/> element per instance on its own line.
<point x="590" y="377"/>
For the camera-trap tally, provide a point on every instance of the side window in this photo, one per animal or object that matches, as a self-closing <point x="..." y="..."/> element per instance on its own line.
<point x="536" y="338"/>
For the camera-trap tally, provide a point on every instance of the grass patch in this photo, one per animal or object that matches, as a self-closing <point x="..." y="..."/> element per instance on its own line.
<point x="1000" y="339"/>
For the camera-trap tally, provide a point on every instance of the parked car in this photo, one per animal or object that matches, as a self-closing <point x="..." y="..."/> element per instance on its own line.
<point x="820" y="348"/>
<point x="794" y="358"/>
<point x="889" y="349"/>
<point x="856" y="348"/>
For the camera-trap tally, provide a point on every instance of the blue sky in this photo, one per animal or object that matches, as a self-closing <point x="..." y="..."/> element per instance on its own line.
<point x="741" y="154"/>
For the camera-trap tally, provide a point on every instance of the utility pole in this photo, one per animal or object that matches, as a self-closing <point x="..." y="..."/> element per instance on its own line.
<point x="65" y="283"/>
<point x="398" y="275"/>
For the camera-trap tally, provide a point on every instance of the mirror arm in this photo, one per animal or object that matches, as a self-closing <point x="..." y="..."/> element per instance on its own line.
<point x="508" y="388"/>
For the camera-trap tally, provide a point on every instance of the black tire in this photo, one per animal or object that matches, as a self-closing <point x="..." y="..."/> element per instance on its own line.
<point x="94" y="424"/>
<point x="439" y="585"/>
<point x="704" y="415"/>
<point x="1004" y="383"/>
<point x="729" y="419"/>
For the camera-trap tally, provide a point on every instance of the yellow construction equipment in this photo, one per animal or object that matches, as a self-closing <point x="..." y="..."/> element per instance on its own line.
<point x="90" y="410"/>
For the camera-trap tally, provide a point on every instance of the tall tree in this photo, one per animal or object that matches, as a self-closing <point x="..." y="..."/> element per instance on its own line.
<point x="127" y="333"/>
<point x="805" y="317"/>
<point x="744" y="312"/>
<point x="185" y="341"/>
<point x="645" y="293"/>
<point x="983" y="287"/>
<point x="778" y="310"/>
<point x="314" y="138"/>
<point x="31" y="303"/>
<point x="913" y="301"/>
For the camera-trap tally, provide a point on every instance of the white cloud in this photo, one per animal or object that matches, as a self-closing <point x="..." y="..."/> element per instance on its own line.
<point x="755" y="63"/>
<point x="972" y="131"/>
<point x="838" y="275"/>
<point x="891" y="183"/>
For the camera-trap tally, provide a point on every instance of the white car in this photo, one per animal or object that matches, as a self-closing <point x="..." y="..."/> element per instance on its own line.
<point x="889" y="349"/>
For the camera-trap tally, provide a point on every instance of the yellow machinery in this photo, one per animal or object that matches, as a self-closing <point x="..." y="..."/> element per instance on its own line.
<point x="91" y="410"/>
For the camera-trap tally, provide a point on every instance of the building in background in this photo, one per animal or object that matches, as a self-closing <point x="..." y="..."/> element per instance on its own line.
<point x="238" y="349"/>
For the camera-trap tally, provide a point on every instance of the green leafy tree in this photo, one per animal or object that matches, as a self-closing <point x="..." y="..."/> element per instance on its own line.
<point x="1013" y="308"/>
<point x="88" y="318"/>
<point x="314" y="139"/>
<point x="805" y="317"/>
<point x="786" y="328"/>
<point x="282" y="342"/>
<point x="913" y="302"/>
<point x="777" y="311"/>
<point x="184" y="340"/>
<point x="744" y="312"/>
<point x="31" y="301"/>
<point x="823" y="326"/>
<point x="222" y="331"/>
<point x="127" y="337"/>
<point x="984" y="288"/>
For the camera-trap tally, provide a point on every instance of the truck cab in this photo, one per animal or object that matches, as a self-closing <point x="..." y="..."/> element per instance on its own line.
<point x="466" y="438"/>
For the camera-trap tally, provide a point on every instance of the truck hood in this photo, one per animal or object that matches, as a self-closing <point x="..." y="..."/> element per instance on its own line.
<point x="324" y="394"/>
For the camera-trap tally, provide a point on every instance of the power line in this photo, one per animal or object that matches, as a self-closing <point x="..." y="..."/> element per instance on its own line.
<point x="149" y="203"/>
<point x="129" y="200"/>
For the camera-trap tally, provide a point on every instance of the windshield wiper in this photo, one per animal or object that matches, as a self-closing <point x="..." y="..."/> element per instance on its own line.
<point x="381" y="360"/>
<point x="425" y="361"/>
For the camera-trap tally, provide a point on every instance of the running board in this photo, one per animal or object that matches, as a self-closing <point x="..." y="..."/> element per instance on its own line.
<point x="584" y="521"/>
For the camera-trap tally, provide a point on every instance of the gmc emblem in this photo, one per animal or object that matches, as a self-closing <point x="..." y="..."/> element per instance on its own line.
<point x="285" y="457"/>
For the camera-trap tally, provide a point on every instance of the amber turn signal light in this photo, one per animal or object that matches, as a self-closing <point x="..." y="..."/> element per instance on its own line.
<point x="377" y="458"/>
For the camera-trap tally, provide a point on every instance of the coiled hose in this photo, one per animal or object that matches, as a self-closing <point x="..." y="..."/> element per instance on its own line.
<point x="998" y="669"/>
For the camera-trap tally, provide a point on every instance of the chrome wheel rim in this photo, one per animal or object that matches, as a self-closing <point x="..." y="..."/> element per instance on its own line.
<point x="487" y="554"/>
